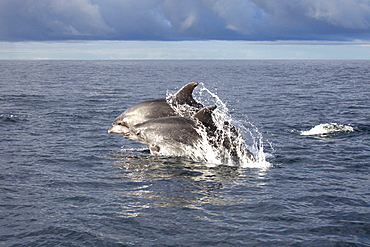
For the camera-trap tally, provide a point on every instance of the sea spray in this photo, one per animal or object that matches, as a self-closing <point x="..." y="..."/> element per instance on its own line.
<point x="327" y="129"/>
<point x="233" y="142"/>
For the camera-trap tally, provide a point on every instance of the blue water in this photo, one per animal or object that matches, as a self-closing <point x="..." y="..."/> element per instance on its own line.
<point x="65" y="181"/>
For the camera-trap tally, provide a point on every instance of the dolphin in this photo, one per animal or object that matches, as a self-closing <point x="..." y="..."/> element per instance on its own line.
<point x="157" y="108"/>
<point x="180" y="136"/>
<point x="174" y="135"/>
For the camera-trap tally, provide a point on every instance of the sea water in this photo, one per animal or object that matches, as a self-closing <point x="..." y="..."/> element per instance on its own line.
<point x="65" y="181"/>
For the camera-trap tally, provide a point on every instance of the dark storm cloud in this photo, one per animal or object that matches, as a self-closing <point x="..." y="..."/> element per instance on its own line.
<point x="32" y="20"/>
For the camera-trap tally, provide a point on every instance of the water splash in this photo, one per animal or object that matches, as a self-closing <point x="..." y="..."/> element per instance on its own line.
<point x="233" y="143"/>
<point x="327" y="129"/>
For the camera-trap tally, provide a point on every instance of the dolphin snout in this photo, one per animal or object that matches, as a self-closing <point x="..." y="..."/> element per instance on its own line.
<point x="118" y="129"/>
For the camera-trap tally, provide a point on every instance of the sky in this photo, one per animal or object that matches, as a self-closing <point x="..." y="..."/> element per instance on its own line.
<point x="184" y="29"/>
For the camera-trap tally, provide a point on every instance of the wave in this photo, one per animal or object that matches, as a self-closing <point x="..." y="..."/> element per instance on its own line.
<point x="14" y="117"/>
<point x="327" y="129"/>
<point x="144" y="150"/>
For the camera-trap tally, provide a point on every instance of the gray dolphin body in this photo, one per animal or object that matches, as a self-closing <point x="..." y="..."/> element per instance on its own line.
<point x="178" y="136"/>
<point x="174" y="136"/>
<point x="156" y="108"/>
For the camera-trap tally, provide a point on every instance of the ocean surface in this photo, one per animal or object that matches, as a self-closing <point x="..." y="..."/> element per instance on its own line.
<point x="65" y="181"/>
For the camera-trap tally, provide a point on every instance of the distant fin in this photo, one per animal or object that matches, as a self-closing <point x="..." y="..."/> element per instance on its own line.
<point x="185" y="95"/>
<point x="205" y="116"/>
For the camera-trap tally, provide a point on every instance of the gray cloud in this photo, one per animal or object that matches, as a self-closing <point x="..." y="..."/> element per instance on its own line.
<point x="35" y="20"/>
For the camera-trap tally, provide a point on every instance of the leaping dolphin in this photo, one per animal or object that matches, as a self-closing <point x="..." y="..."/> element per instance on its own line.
<point x="156" y="108"/>
<point x="180" y="136"/>
<point x="173" y="135"/>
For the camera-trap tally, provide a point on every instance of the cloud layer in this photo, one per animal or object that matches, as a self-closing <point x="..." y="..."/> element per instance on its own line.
<point x="257" y="20"/>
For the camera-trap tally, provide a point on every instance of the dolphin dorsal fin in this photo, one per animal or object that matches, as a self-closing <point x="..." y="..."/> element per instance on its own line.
<point x="205" y="116"/>
<point x="185" y="95"/>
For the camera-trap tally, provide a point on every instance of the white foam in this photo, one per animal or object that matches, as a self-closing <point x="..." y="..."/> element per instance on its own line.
<point x="327" y="128"/>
